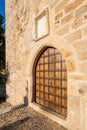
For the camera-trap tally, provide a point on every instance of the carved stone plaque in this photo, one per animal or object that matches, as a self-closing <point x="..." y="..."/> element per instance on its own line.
<point x="41" y="25"/>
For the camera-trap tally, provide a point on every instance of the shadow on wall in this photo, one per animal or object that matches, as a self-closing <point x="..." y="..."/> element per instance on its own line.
<point x="26" y="97"/>
<point x="4" y="76"/>
<point x="26" y="101"/>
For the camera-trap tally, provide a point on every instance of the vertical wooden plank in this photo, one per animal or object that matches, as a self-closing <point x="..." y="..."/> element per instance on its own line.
<point x="58" y="83"/>
<point x="51" y="82"/>
<point x="52" y="90"/>
<point x="64" y="92"/>
<point x="58" y="101"/>
<point x="58" y="92"/>
<point x="46" y="89"/>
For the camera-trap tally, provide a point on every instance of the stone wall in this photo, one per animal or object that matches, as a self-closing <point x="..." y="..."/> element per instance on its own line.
<point x="68" y="33"/>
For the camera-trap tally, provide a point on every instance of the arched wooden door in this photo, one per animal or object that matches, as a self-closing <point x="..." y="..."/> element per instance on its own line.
<point x="51" y="81"/>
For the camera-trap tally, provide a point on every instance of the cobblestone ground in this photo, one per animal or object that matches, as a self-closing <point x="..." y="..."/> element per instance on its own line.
<point x="26" y="119"/>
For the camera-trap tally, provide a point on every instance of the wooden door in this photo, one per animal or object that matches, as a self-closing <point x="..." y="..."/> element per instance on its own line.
<point x="51" y="81"/>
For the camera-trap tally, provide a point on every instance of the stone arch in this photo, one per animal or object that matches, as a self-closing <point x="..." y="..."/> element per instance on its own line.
<point x="66" y="50"/>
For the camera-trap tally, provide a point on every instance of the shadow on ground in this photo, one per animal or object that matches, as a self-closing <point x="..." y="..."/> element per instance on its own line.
<point x="13" y="126"/>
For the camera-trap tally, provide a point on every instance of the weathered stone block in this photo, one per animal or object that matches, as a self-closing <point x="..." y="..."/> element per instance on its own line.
<point x="81" y="10"/>
<point x="80" y="45"/>
<point x="73" y="88"/>
<point x="53" y="4"/>
<point x="85" y="31"/>
<point x="85" y="17"/>
<point x="63" y="31"/>
<point x="77" y="23"/>
<point x="82" y="87"/>
<point x="74" y="110"/>
<point x="71" y="65"/>
<point x="67" y="19"/>
<point x="73" y="5"/>
<point x="60" y="6"/>
<point x="74" y="36"/>
<point x="58" y="16"/>
<point x="66" y="52"/>
<point x="83" y="67"/>
<point x="56" y="27"/>
<point x="82" y="54"/>
<point x="83" y="111"/>
<point x="78" y="77"/>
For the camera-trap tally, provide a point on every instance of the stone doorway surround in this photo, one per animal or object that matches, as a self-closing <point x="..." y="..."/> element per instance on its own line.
<point x="74" y="95"/>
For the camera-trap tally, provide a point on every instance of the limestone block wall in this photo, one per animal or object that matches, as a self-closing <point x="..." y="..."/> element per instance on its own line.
<point x="67" y="33"/>
<point x="16" y="23"/>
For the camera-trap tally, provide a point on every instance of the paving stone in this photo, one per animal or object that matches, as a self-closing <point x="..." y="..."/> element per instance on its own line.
<point x="27" y="119"/>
